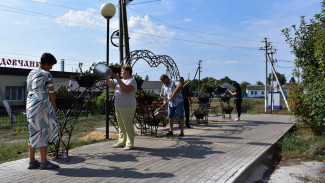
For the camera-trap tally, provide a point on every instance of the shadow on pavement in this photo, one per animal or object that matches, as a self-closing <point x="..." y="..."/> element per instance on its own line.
<point x="113" y="172"/>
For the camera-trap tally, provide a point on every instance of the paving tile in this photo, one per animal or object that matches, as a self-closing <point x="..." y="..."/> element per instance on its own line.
<point x="219" y="152"/>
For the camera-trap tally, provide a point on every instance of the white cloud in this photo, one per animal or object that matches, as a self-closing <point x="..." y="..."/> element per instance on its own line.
<point x="140" y="28"/>
<point x="81" y="18"/>
<point x="188" y="20"/>
<point x="26" y="22"/>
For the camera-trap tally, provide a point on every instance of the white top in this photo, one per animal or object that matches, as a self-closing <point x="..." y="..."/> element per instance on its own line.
<point x="123" y="99"/>
<point x="169" y="90"/>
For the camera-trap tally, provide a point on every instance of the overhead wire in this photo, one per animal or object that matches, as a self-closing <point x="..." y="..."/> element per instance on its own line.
<point x="96" y="25"/>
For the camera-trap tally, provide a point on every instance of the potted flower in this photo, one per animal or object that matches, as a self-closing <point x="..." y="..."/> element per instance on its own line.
<point x="204" y="99"/>
<point x="209" y="88"/>
<point x="199" y="113"/>
<point x="228" y="109"/>
<point x="221" y="90"/>
<point x="64" y="99"/>
<point x="86" y="78"/>
<point x="225" y="98"/>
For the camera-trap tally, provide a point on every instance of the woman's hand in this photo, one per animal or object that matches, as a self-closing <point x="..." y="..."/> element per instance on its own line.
<point x="115" y="76"/>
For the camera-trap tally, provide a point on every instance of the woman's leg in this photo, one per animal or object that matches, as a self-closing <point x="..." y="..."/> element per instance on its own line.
<point x="122" y="132"/>
<point x="43" y="151"/>
<point x="31" y="153"/>
<point x="127" y="117"/>
<point x="238" y="108"/>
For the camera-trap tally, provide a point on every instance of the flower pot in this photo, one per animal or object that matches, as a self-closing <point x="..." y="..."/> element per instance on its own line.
<point x="86" y="81"/>
<point x="204" y="99"/>
<point x="225" y="98"/>
<point x="228" y="110"/>
<point x="199" y="115"/>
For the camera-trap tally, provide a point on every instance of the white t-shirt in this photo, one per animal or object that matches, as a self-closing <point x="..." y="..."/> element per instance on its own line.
<point x="123" y="99"/>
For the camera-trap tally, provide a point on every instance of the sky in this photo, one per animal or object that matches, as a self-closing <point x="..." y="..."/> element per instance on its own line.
<point x="225" y="35"/>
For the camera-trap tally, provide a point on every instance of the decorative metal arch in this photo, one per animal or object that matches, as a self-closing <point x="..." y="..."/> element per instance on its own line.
<point x="153" y="61"/>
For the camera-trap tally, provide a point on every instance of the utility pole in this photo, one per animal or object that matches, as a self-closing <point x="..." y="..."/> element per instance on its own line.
<point x="265" y="91"/>
<point x="280" y="87"/>
<point x="121" y="44"/>
<point x="272" y="74"/>
<point x="198" y="88"/>
<point x="123" y="32"/>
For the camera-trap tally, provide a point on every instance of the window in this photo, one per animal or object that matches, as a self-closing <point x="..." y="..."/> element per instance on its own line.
<point x="262" y="92"/>
<point x="255" y="92"/>
<point x="15" y="93"/>
<point x="252" y="93"/>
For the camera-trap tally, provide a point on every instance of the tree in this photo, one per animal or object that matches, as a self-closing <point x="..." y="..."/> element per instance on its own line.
<point x="307" y="99"/>
<point x="243" y="86"/>
<point x="292" y="80"/>
<point x="226" y="79"/>
<point x="259" y="83"/>
<point x="281" y="77"/>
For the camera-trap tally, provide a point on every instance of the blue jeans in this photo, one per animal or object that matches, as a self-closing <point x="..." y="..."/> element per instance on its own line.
<point x="180" y="111"/>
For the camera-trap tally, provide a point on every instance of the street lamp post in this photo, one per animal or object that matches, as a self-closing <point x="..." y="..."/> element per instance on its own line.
<point x="108" y="11"/>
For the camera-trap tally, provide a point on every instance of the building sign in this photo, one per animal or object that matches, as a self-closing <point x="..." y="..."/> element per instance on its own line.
<point x="15" y="62"/>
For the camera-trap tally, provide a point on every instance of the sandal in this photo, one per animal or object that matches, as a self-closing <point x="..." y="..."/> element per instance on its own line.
<point x="34" y="164"/>
<point x="48" y="165"/>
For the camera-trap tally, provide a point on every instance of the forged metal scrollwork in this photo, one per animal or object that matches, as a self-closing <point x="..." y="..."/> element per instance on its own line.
<point x="153" y="61"/>
<point x="67" y="118"/>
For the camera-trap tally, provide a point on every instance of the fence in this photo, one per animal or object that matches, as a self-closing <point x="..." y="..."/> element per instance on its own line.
<point x="17" y="115"/>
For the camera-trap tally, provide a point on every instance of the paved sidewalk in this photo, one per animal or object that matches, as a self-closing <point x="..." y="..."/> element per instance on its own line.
<point x="223" y="151"/>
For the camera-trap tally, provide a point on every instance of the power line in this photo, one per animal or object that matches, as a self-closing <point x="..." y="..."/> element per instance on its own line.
<point x="101" y="26"/>
<point x="66" y="7"/>
<point x="144" y="2"/>
<point x="286" y="61"/>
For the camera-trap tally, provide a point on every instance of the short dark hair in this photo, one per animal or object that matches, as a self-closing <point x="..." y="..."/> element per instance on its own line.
<point x="163" y="76"/>
<point x="127" y="68"/>
<point x="48" y="58"/>
<point x="237" y="85"/>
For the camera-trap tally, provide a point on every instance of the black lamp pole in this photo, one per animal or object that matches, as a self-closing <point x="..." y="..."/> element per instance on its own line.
<point x="107" y="62"/>
<point x="108" y="11"/>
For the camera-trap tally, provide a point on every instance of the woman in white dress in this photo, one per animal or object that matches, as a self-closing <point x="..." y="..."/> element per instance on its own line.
<point x="40" y="109"/>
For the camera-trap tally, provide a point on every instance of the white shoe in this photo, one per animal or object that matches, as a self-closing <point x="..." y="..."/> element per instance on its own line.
<point x="238" y="119"/>
<point x="117" y="145"/>
<point x="127" y="148"/>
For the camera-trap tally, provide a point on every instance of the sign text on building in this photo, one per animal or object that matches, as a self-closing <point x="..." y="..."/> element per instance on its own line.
<point x="15" y="62"/>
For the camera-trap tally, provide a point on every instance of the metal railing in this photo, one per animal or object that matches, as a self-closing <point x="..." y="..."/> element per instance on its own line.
<point x="12" y="116"/>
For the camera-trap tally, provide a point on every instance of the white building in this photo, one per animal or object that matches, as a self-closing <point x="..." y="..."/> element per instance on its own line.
<point x="152" y="86"/>
<point x="258" y="91"/>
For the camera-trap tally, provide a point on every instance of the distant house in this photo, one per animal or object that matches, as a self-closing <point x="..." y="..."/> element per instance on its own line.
<point x="152" y="86"/>
<point x="258" y="91"/>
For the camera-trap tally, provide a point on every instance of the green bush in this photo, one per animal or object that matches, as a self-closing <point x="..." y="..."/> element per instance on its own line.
<point x="308" y="97"/>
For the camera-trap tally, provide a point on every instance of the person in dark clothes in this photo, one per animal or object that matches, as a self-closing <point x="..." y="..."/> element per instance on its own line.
<point x="187" y="102"/>
<point x="238" y="99"/>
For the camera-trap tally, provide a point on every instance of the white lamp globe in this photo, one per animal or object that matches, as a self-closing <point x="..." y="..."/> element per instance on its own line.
<point x="107" y="10"/>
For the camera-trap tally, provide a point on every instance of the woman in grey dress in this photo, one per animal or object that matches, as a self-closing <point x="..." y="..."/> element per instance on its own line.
<point x="40" y="109"/>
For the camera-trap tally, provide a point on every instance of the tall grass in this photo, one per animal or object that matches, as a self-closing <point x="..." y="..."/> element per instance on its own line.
<point x="302" y="143"/>
<point x="14" y="138"/>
